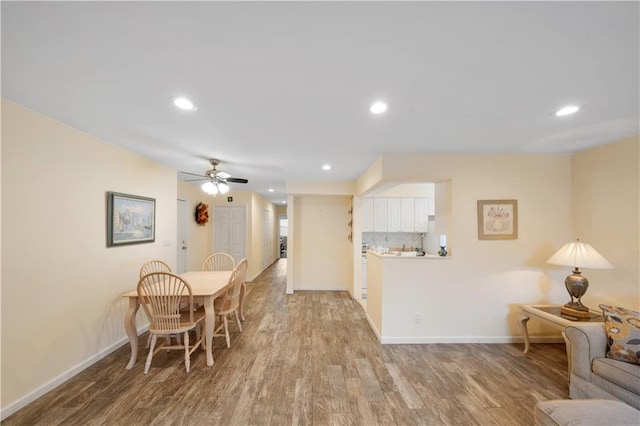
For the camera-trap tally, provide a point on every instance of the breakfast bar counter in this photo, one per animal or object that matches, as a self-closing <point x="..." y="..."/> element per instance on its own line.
<point x="406" y="293"/>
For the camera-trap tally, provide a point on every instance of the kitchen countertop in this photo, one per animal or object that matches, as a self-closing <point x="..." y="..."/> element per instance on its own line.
<point x="406" y="255"/>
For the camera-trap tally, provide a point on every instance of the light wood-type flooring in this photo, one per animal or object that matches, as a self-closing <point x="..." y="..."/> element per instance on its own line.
<point x="309" y="359"/>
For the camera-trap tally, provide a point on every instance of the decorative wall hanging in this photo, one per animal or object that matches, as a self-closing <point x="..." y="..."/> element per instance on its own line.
<point x="202" y="214"/>
<point x="497" y="219"/>
<point x="131" y="219"/>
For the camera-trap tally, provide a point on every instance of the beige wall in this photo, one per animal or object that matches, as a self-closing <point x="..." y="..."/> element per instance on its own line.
<point x="490" y="279"/>
<point x="606" y="184"/>
<point x="61" y="285"/>
<point x="322" y="253"/>
<point x="199" y="236"/>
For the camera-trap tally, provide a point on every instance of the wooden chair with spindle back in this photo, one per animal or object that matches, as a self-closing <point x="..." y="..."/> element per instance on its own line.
<point x="230" y="302"/>
<point x="219" y="262"/>
<point x="161" y="295"/>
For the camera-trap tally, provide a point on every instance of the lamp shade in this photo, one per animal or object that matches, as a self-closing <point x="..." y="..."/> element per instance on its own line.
<point x="579" y="255"/>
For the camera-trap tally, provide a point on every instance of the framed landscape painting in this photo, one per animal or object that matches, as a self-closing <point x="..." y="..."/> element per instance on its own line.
<point x="131" y="219"/>
<point x="497" y="219"/>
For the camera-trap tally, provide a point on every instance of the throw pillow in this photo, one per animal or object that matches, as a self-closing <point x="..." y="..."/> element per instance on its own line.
<point x="623" y="333"/>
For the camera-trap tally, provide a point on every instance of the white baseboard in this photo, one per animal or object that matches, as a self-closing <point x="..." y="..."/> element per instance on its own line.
<point x="375" y="331"/>
<point x="467" y="339"/>
<point x="414" y="340"/>
<point x="289" y="291"/>
<point x="57" y="381"/>
<point x="318" y="288"/>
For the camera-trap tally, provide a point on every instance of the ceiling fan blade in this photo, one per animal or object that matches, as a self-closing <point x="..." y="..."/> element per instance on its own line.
<point x="192" y="174"/>
<point x="223" y="175"/>
<point x="236" y="180"/>
<point x="194" y="180"/>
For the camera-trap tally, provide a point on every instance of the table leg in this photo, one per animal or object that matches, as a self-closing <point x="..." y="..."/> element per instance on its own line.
<point x="242" y="290"/>
<point x="525" y="334"/>
<point x="130" y="328"/>
<point x="209" y="326"/>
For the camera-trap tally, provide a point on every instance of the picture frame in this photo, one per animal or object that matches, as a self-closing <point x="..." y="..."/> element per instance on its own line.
<point x="131" y="219"/>
<point x="497" y="219"/>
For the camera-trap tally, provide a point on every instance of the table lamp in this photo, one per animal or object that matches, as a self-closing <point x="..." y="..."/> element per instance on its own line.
<point x="578" y="255"/>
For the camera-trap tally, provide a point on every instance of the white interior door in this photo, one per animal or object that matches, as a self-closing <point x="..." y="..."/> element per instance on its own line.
<point x="229" y="231"/>
<point x="181" y="240"/>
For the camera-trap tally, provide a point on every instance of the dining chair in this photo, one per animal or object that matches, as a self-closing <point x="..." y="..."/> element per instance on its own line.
<point x="154" y="266"/>
<point x="161" y="294"/>
<point x="219" y="262"/>
<point x="230" y="301"/>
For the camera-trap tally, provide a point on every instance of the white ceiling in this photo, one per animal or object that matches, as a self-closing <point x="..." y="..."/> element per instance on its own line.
<point x="283" y="88"/>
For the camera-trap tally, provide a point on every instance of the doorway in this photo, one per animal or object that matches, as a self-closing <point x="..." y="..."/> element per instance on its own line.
<point x="284" y="227"/>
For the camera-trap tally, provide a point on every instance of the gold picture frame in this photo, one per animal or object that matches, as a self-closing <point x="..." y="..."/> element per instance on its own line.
<point x="497" y="219"/>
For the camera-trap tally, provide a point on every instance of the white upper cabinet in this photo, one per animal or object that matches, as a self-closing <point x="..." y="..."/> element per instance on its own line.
<point x="380" y="214"/>
<point x="421" y="214"/>
<point x="367" y="214"/>
<point x="394" y="214"/>
<point x="408" y="215"/>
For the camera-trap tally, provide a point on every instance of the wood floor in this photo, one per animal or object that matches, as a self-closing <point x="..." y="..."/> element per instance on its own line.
<point x="309" y="359"/>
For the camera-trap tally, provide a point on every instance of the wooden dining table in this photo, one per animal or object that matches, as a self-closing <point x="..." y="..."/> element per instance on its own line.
<point x="206" y="286"/>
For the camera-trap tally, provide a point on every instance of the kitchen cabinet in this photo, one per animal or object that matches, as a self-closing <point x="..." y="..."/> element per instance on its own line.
<point x="408" y="215"/>
<point x="380" y="214"/>
<point x="421" y="209"/>
<point x="367" y="215"/>
<point x="394" y="214"/>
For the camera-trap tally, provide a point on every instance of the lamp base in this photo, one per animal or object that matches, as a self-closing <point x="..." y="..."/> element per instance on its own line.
<point x="573" y="311"/>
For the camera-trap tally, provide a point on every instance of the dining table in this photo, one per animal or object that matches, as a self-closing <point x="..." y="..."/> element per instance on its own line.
<point x="206" y="286"/>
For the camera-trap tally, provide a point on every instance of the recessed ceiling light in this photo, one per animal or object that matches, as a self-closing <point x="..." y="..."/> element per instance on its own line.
<point x="284" y="202"/>
<point x="184" y="104"/>
<point x="326" y="167"/>
<point x="378" y="108"/>
<point x="271" y="189"/>
<point x="568" y="110"/>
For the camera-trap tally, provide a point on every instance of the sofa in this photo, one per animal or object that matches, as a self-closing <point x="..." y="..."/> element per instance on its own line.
<point x="592" y="375"/>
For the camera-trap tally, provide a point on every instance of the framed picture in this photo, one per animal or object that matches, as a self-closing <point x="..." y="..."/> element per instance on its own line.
<point x="130" y="219"/>
<point x="497" y="219"/>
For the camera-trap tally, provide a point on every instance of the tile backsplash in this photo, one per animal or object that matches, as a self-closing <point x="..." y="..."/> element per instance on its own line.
<point x="392" y="239"/>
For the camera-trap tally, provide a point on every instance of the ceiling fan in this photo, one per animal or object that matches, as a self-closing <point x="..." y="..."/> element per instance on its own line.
<point x="216" y="180"/>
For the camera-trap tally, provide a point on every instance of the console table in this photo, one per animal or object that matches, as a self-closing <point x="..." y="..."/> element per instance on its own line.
<point x="551" y="315"/>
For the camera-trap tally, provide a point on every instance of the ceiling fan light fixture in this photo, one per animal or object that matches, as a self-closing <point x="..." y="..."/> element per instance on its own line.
<point x="184" y="104"/>
<point x="223" y="188"/>
<point x="210" y="188"/>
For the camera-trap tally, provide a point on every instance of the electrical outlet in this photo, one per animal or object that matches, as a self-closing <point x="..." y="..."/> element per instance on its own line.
<point x="416" y="317"/>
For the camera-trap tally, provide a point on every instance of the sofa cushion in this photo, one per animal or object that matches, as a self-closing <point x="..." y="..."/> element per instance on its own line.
<point x="623" y="333"/>
<point x="623" y="374"/>
<point x="585" y="412"/>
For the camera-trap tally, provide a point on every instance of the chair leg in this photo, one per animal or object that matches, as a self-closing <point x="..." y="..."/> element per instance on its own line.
<point x="238" y="320"/>
<point x="199" y="335"/>
<point x="226" y="331"/>
<point x="147" y="365"/>
<point x="187" y="358"/>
